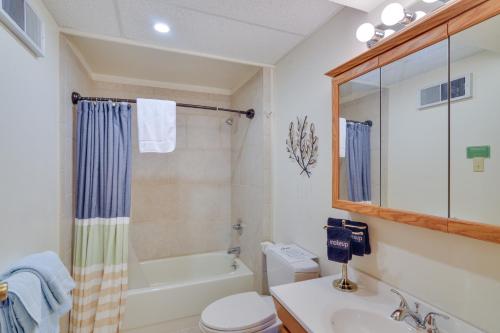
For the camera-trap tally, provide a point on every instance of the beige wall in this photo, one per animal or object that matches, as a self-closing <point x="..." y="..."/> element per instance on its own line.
<point x="251" y="171"/>
<point x="73" y="77"/>
<point x="457" y="274"/>
<point x="29" y="144"/>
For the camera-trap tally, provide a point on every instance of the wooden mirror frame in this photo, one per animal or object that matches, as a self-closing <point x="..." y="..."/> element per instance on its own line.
<point x="448" y="20"/>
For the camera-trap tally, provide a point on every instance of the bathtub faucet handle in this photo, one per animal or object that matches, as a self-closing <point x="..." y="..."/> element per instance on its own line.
<point x="234" y="250"/>
<point x="238" y="227"/>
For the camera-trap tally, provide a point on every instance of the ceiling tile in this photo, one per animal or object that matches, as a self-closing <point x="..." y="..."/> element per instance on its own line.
<point x="203" y="33"/>
<point x="94" y="16"/>
<point x="296" y="16"/>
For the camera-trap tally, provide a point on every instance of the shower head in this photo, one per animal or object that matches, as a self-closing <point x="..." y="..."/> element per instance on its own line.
<point x="229" y="121"/>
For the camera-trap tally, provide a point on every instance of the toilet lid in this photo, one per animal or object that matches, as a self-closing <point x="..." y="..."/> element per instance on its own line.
<point x="238" y="312"/>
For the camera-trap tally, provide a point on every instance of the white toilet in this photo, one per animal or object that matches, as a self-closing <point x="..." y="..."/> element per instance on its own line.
<point x="250" y="312"/>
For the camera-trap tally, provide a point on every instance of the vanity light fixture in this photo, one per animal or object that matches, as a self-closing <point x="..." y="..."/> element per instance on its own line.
<point x="395" y="13"/>
<point x="365" y="32"/>
<point x="162" y="27"/>
<point x="388" y="32"/>
<point x="419" y="14"/>
<point x="394" y="18"/>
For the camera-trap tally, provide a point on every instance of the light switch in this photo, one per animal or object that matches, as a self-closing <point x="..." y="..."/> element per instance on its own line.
<point x="478" y="164"/>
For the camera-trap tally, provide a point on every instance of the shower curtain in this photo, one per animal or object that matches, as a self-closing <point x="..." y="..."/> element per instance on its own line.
<point x="102" y="216"/>
<point x="358" y="161"/>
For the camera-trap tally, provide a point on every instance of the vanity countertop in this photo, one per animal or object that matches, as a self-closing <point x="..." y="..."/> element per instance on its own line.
<point x="319" y="308"/>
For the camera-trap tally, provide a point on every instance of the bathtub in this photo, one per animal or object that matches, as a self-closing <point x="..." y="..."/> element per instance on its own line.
<point x="173" y="288"/>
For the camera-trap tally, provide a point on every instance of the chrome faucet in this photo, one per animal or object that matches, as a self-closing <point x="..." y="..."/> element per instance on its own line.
<point x="234" y="250"/>
<point x="428" y="324"/>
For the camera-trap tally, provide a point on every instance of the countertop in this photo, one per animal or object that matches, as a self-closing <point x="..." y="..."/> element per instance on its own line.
<point x="312" y="303"/>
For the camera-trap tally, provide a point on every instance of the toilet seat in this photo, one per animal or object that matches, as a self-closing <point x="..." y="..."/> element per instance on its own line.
<point x="240" y="313"/>
<point x="267" y="328"/>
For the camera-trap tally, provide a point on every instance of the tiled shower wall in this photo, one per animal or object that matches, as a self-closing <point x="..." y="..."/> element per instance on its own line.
<point x="251" y="172"/>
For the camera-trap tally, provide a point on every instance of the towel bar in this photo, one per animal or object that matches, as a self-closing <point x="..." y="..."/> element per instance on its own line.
<point x="347" y="225"/>
<point x="344" y="284"/>
<point x="4" y="290"/>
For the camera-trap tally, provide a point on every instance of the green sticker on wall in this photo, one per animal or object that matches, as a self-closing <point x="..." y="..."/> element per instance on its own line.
<point x="478" y="152"/>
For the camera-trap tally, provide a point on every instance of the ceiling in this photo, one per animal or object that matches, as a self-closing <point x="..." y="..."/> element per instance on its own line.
<point x="253" y="31"/>
<point x="132" y="64"/>
<point x="224" y="41"/>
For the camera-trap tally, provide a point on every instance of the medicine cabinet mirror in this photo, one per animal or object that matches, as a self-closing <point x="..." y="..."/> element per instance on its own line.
<point x="416" y="124"/>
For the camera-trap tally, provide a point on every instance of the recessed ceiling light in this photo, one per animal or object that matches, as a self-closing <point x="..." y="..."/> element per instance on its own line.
<point x="162" y="27"/>
<point x="429" y="1"/>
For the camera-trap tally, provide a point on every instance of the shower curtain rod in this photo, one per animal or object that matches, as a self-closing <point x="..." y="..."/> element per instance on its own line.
<point x="75" y="97"/>
<point x="366" y="122"/>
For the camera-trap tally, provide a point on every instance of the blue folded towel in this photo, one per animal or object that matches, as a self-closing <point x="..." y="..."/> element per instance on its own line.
<point x="23" y="308"/>
<point x="360" y="243"/>
<point x="339" y="244"/>
<point x="39" y="293"/>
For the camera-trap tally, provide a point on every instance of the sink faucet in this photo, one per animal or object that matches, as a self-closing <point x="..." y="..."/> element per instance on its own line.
<point x="428" y="324"/>
<point x="234" y="250"/>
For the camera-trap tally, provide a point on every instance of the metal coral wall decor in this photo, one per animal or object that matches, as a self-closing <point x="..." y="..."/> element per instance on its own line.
<point x="302" y="145"/>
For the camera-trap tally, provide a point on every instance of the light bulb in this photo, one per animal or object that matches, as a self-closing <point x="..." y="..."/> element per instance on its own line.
<point x="162" y="27"/>
<point x="419" y="14"/>
<point x="392" y="14"/>
<point x="365" y="32"/>
<point x="388" y="32"/>
<point x="429" y="1"/>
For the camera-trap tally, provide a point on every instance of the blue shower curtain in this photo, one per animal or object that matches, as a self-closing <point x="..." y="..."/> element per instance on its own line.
<point x="102" y="216"/>
<point x="358" y="161"/>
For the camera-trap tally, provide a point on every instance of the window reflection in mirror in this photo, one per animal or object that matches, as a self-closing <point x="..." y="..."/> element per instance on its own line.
<point x="475" y="123"/>
<point x="359" y="139"/>
<point x="414" y="136"/>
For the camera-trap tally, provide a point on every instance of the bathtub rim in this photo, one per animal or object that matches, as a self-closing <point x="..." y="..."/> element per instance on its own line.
<point x="241" y="271"/>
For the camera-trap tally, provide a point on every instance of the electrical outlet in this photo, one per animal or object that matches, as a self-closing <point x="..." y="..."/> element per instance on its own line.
<point x="478" y="164"/>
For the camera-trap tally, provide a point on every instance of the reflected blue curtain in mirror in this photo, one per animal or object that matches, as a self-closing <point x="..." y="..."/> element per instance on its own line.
<point x="358" y="161"/>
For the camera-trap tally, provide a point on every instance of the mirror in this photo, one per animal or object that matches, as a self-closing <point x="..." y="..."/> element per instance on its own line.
<point x="415" y="132"/>
<point x="475" y="122"/>
<point x="359" y="141"/>
<point x="420" y="143"/>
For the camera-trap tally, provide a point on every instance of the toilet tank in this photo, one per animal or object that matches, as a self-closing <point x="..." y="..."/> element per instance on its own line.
<point x="289" y="263"/>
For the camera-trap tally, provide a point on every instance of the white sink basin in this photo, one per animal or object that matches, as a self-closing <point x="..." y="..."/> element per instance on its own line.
<point x="360" y="321"/>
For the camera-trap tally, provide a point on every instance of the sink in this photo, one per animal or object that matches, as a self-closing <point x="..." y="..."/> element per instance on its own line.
<point x="360" y="321"/>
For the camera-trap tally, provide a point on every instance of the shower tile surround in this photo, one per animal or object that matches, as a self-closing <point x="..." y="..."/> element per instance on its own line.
<point x="251" y="172"/>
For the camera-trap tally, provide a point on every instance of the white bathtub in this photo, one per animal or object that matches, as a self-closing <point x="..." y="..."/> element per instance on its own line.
<point x="170" y="289"/>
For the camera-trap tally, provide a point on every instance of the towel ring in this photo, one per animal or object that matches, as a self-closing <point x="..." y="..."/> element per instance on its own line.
<point x="4" y="291"/>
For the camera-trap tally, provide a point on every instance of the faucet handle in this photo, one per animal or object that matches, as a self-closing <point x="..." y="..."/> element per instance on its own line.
<point x="403" y="304"/>
<point x="430" y="321"/>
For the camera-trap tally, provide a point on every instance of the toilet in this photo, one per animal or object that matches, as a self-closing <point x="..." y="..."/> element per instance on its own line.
<point x="250" y="312"/>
